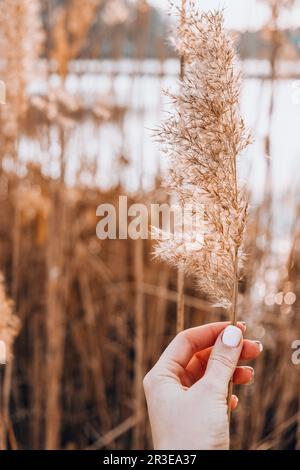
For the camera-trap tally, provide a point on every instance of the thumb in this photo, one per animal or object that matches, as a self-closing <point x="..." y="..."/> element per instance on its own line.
<point x="224" y="358"/>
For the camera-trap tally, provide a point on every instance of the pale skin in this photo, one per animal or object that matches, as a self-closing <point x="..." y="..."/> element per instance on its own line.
<point x="187" y="389"/>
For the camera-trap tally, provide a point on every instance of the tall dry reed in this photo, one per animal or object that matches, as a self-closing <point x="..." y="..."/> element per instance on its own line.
<point x="71" y="26"/>
<point x="203" y="140"/>
<point x="19" y="50"/>
<point x="78" y="358"/>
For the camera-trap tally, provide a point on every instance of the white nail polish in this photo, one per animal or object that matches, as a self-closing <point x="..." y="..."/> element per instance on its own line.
<point x="259" y="345"/>
<point x="232" y="336"/>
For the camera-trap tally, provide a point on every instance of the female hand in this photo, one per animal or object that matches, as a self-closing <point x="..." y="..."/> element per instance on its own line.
<point x="187" y="389"/>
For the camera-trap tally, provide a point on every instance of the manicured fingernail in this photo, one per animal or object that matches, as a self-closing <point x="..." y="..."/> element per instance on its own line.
<point x="244" y="324"/>
<point x="236" y="400"/>
<point x="251" y="370"/>
<point x="259" y="345"/>
<point x="232" y="336"/>
<point x="252" y="380"/>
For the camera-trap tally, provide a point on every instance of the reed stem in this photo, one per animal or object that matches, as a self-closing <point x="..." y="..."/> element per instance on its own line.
<point x="233" y="320"/>
<point x="180" y="301"/>
<point x="139" y="342"/>
<point x="180" y="275"/>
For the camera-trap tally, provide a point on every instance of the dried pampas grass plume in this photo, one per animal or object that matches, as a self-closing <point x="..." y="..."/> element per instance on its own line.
<point x="203" y="138"/>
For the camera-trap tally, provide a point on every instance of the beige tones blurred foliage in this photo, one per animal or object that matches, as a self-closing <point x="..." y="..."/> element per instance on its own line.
<point x="20" y="45"/>
<point x="71" y="25"/>
<point x="95" y="315"/>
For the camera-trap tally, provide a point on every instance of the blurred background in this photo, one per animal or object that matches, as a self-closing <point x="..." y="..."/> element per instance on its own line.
<point x="84" y="319"/>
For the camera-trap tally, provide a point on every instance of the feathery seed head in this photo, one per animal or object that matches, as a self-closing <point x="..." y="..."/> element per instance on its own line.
<point x="202" y="139"/>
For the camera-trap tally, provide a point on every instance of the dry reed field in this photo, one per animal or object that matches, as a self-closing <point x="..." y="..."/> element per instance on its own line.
<point x="82" y="108"/>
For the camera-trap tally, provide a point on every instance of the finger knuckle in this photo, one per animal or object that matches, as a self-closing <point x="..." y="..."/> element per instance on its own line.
<point x="147" y="381"/>
<point x="224" y="360"/>
<point x="181" y="335"/>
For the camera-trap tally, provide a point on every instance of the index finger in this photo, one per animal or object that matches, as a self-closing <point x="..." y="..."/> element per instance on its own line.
<point x="183" y="347"/>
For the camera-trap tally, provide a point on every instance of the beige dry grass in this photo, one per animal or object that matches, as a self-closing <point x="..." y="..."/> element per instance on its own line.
<point x="202" y="141"/>
<point x="73" y="381"/>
